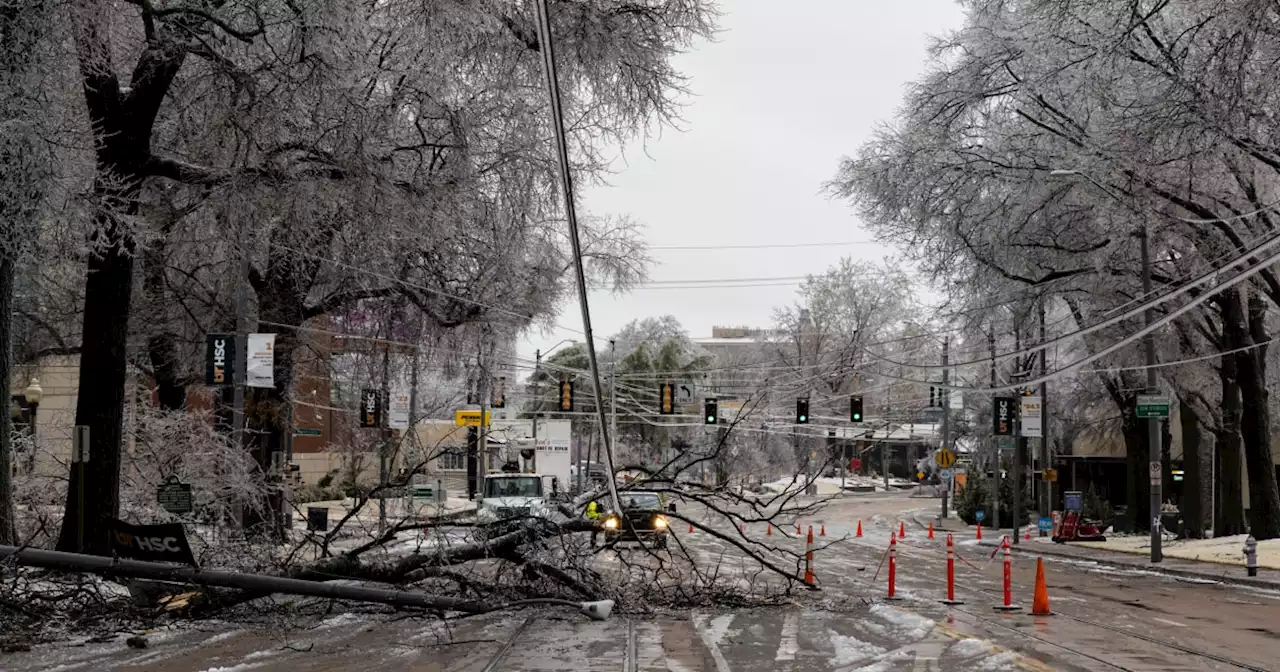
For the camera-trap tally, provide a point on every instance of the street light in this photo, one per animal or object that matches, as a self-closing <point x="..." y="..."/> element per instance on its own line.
<point x="33" y="394"/>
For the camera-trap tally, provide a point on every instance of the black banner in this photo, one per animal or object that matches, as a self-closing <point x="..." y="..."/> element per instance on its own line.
<point x="153" y="543"/>
<point x="219" y="359"/>
<point x="370" y="408"/>
<point x="1004" y="415"/>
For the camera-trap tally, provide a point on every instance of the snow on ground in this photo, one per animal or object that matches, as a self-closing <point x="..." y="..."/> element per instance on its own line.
<point x="1223" y="550"/>
<point x="830" y="485"/>
<point x="850" y="650"/>
<point x="1005" y="660"/>
<point x="969" y="648"/>
<point x="908" y="624"/>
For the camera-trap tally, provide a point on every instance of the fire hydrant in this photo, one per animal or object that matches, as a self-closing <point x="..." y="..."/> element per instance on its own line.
<point x="1251" y="555"/>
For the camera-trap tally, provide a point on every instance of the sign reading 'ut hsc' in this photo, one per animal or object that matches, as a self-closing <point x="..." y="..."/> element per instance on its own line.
<point x="1005" y="413"/>
<point x="153" y="543"/>
<point x="370" y="407"/>
<point x="220" y="352"/>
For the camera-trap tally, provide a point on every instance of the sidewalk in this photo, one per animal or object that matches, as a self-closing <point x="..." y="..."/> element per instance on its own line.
<point x="1234" y="573"/>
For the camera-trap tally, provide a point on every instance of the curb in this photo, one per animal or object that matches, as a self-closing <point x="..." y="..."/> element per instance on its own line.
<point x="1252" y="582"/>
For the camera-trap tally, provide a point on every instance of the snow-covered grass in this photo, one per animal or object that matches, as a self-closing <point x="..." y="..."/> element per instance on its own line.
<point x="1223" y="550"/>
<point x="830" y="485"/>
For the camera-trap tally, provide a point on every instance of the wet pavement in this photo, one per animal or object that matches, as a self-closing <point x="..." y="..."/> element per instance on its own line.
<point x="1106" y="618"/>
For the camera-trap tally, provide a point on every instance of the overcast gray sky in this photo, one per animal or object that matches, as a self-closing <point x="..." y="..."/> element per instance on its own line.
<point x="788" y="89"/>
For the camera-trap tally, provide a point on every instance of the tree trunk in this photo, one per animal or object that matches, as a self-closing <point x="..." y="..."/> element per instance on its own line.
<point x="1264" y="497"/>
<point x="7" y="523"/>
<point x="122" y="121"/>
<point x="1229" y="489"/>
<point x="1137" y="486"/>
<point x="1190" y="505"/>
<point x="162" y="348"/>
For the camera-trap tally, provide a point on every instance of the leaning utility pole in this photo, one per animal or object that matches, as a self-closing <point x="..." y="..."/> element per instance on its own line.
<point x="946" y="416"/>
<point x="1153" y="423"/>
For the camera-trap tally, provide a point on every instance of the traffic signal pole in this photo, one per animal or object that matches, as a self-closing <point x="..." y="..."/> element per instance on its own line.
<point x="1153" y="423"/>
<point x="946" y="416"/>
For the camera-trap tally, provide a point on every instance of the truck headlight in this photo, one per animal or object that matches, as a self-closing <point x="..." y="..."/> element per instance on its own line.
<point x="659" y="523"/>
<point x="610" y="523"/>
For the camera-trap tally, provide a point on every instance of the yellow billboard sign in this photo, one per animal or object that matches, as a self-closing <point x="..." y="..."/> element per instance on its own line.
<point x="470" y="418"/>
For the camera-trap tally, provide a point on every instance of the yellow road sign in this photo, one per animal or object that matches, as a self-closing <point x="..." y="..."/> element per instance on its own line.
<point x="470" y="418"/>
<point x="945" y="458"/>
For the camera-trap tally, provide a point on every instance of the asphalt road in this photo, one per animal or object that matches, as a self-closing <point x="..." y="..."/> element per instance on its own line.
<point x="1105" y="619"/>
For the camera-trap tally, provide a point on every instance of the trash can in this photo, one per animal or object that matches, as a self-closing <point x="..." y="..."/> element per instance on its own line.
<point x="318" y="518"/>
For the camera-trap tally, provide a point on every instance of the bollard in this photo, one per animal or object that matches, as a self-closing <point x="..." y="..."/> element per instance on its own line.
<point x="951" y="573"/>
<point x="1027" y="536"/>
<point x="690" y="528"/>
<point x="742" y="528"/>
<point x="859" y="534"/>
<point x="1251" y="555"/>
<point x="979" y="531"/>
<point x="893" y="568"/>
<point x="768" y="530"/>
<point x="808" y="558"/>
<point x="822" y="531"/>
<point x="931" y="529"/>
<point x="902" y="529"/>
<point x="1008" y="580"/>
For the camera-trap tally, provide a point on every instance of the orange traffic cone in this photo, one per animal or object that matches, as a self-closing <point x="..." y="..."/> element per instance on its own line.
<point x="931" y="529"/>
<point x="902" y="529"/>
<point x="859" y="534"/>
<point x="690" y="528"/>
<point x="1027" y="536"/>
<point x="1040" y="603"/>
<point x="979" y="531"/>
<point x="768" y="532"/>
<point x="822" y="530"/>
<point x="742" y="528"/>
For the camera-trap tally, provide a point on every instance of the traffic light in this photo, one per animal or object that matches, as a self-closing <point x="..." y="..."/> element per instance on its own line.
<point x="855" y="408"/>
<point x="667" y="399"/>
<point x="802" y="411"/>
<point x="933" y="396"/>
<point x="566" y="395"/>
<point x="710" y="417"/>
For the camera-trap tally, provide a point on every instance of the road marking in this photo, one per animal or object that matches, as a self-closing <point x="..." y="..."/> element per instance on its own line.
<point x="790" y="642"/>
<point x="1168" y="622"/>
<point x="506" y="646"/>
<point x="722" y="665"/>
<point x="631" y="662"/>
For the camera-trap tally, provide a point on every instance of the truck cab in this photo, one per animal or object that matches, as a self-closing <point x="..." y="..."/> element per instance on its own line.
<point x="506" y="499"/>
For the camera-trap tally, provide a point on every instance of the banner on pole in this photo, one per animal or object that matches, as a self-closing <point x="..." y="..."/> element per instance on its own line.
<point x="370" y="407"/>
<point x="219" y="358"/>
<point x="260" y="371"/>
<point x="1004" y="414"/>
<point x="398" y="411"/>
<point x="1030" y="415"/>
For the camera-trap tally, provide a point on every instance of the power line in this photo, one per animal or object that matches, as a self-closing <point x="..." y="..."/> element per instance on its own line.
<point x="763" y="246"/>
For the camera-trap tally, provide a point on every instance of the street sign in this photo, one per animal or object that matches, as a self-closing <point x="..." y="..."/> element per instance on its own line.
<point x="166" y="542"/>
<point x="174" y="496"/>
<point x="1153" y="470"/>
<point x="980" y="515"/>
<point x="686" y="392"/>
<point x="1005" y="442"/>
<point x="945" y="458"/>
<point x="855" y="464"/>
<point x="1050" y="475"/>
<point x="1045" y="523"/>
<point x="1152" y="406"/>
<point x="308" y="431"/>
<point x="470" y="418"/>
<point x="946" y="474"/>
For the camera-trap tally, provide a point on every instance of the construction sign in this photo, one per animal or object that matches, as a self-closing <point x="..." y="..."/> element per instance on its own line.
<point x="470" y="418"/>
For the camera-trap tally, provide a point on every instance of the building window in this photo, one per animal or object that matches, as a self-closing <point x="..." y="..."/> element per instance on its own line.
<point x="452" y="460"/>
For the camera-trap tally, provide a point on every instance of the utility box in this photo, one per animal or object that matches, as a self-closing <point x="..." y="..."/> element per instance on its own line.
<point x="318" y="518"/>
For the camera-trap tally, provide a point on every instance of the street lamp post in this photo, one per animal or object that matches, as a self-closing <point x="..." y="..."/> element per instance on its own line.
<point x="34" y="394"/>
